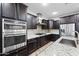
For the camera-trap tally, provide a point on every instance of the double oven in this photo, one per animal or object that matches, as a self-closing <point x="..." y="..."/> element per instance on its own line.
<point x="13" y="34"/>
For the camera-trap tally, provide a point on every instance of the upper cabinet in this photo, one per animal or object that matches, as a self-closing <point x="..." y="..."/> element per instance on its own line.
<point x="9" y="10"/>
<point x="68" y="19"/>
<point x="21" y="9"/>
<point x="14" y="10"/>
<point x="0" y="10"/>
<point x="31" y="21"/>
<point x="50" y="24"/>
<point x="77" y="17"/>
<point x="56" y="24"/>
<point x="34" y="22"/>
<point x="46" y="26"/>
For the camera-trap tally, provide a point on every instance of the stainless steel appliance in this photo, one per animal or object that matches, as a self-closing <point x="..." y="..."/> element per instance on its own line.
<point x="67" y="29"/>
<point x="13" y="34"/>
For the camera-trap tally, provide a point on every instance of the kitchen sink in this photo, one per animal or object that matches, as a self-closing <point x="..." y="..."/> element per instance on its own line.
<point x="68" y="42"/>
<point x="40" y="33"/>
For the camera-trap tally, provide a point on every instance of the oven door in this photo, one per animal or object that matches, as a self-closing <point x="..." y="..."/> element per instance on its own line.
<point x="20" y="41"/>
<point x="9" y="44"/>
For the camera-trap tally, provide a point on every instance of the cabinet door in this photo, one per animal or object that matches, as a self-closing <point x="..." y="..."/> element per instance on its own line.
<point x="31" y="45"/>
<point x="34" y="22"/>
<point x="21" y="11"/>
<point x="47" y="24"/>
<point x="0" y="36"/>
<point x="77" y="26"/>
<point x="68" y="19"/>
<point x="56" y="24"/>
<point x="29" y="21"/>
<point x="77" y="16"/>
<point x="50" y="24"/>
<point x="62" y="20"/>
<point x="9" y="10"/>
<point x="73" y="18"/>
<point x="0" y="10"/>
<point x="54" y="37"/>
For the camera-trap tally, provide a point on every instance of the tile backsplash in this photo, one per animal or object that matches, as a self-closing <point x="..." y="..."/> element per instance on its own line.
<point x="34" y="31"/>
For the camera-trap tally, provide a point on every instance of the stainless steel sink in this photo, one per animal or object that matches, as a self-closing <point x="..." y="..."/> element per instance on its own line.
<point x="68" y="42"/>
<point x="40" y="33"/>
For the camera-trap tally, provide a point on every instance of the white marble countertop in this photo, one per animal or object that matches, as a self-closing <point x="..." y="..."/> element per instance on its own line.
<point x="57" y="49"/>
<point x="35" y="36"/>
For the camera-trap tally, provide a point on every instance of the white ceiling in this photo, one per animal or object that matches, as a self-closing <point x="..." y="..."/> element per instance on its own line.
<point x="63" y="9"/>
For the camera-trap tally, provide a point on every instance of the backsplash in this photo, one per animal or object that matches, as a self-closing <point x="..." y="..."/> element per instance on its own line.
<point x="34" y="31"/>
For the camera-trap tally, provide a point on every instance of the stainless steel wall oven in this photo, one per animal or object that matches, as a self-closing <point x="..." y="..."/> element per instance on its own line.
<point x="13" y="34"/>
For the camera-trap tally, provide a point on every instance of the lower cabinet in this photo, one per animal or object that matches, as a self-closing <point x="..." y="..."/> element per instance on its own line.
<point x="31" y="46"/>
<point x="54" y="37"/>
<point x="36" y="43"/>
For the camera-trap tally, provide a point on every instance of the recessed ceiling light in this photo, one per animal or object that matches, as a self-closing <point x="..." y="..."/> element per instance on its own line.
<point x="54" y="13"/>
<point x="44" y="4"/>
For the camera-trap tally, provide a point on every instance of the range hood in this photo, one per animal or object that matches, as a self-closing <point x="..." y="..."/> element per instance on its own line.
<point x="39" y="19"/>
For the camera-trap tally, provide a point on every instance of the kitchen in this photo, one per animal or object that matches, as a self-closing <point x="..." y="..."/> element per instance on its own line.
<point x="37" y="29"/>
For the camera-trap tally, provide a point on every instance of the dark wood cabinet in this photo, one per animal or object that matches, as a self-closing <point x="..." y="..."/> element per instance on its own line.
<point x="21" y="11"/>
<point x="36" y="43"/>
<point x="9" y="10"/>
<point x="14" y="10"/>
<point x="31" y="45"/>
<point x="0" y="36"/>
<point x="77" y="16"/>
<point x="42" y="41"/>
<point x="31" y="21"/>
<point x="0" y="10"/>
<point x="34" y="22"/>
<point x="68" y="19"/>
<point x="56" y="24"/>
<point x="62" y="20"/>
<point x="54" y="37"/>
<point x="50" y="24"/>
<point x="46" y="26"/>
<point x="77" y="26"/>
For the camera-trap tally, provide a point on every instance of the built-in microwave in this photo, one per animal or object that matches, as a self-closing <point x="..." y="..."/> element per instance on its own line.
<point x="13" y="34"/>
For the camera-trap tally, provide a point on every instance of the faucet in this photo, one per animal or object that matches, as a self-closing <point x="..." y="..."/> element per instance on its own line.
<point x="77" y="35"/>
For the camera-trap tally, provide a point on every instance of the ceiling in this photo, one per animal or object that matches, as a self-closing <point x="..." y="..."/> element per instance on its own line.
<point x="63" y="9"/>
